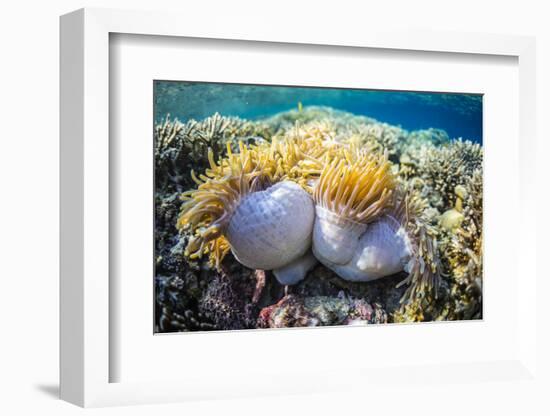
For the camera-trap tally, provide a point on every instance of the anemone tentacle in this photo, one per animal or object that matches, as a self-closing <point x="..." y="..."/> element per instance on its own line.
<point x="357" y="186"/>
<point x="207" y="210"/>
<point x="424" y="267"/>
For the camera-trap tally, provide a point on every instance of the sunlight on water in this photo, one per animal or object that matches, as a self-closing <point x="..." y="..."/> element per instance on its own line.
<point x="460" y="115"/>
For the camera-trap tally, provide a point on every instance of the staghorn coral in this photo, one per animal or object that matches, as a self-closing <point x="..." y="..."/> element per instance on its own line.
<point x="287" y="120"/>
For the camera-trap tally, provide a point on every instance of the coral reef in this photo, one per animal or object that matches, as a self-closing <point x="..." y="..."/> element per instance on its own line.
<point x="462" y="248"/>
<point x="420" y="187"/>
<point x="341" y="126"/>
<point x="448" y="166"/>
<point x="225" y="186"/>
<point x="452" y="175"/>
<point x="181" y="147"/>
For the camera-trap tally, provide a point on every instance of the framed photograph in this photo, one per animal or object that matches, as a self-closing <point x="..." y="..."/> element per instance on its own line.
<point x="292" y="211"/>
<point x="319" y="214"/>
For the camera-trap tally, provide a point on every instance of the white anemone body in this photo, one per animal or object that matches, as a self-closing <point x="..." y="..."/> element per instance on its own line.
<point x="360" y="252"/>
<point x="270" y="229"/>
<point x="296" y="270"/>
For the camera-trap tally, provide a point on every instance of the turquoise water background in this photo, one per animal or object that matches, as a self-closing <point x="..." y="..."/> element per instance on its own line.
<point x="460" y="115"/>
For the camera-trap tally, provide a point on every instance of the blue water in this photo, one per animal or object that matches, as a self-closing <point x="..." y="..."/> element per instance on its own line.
<point x="460" y="115"/>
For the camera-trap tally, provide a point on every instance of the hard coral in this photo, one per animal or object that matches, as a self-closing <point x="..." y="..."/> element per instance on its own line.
<point x="181" y="147"/>
<point x="447" y="166"/>
<point x="431" y="176"/>
<point x="462" y="251"/>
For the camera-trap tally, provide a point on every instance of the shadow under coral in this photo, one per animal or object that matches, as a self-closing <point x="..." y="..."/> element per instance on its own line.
<point x="240" y="298"/>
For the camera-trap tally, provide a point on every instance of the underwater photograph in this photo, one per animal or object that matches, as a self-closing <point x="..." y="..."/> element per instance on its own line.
<point x="287" y="206"/>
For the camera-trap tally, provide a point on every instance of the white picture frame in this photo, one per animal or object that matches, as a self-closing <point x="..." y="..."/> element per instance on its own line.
<point x="85" y="353"/>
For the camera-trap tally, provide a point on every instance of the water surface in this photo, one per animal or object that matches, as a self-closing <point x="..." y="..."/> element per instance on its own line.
<point x="460" y="115"/>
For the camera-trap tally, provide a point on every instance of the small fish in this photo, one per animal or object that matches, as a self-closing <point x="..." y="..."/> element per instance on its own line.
<point x="300" y="106"/>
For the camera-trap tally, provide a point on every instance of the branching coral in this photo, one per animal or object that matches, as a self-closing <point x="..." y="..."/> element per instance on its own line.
<point x="462" y="248"/>
<point x="181" y="147"/>
<point x="414" y="150"/>
<point x="380" y="137"/>
<point x="216" y="131"/>
<point x="447" y="166"/>
<point x="172" y="150"/>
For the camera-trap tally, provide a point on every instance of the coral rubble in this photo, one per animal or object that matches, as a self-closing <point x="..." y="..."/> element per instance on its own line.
<point x="294" y="311"/>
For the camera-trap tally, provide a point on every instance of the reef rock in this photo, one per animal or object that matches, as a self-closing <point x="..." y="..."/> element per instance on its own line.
<point x="295" y="311"/>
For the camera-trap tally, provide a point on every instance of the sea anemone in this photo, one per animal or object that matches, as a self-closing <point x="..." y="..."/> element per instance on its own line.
<point x="351" y="194"/>
<point x="256" y="204"/>
<point x="366" y="227"/>
<point x="252" y="203"/>
<point x="424" y="266"/>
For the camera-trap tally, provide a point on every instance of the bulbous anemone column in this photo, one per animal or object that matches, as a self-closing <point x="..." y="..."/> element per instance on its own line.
<point x="367" y="228"/>
<point x="271" y="230"/>
<point x="352" y="235"/>
<point x="237" y="209"/>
